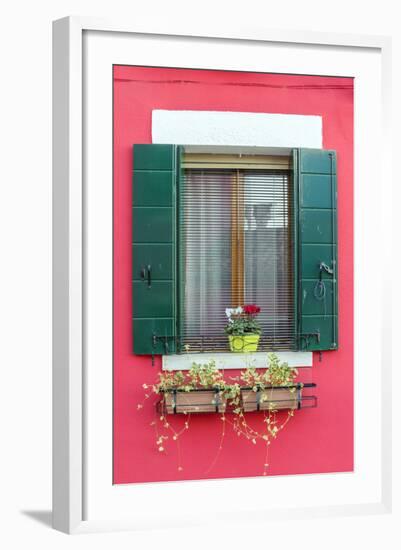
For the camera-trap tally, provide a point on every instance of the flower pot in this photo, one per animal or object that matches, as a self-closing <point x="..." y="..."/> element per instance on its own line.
<point x="244" y="344"/>
<point x="198" y="401"/>
<point x="273" y="399"/>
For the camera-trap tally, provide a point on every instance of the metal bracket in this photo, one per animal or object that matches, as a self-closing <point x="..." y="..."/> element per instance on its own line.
<point x="217" y="399"/>
<point x="164" y="339"/>
<point x="174" y="401"/>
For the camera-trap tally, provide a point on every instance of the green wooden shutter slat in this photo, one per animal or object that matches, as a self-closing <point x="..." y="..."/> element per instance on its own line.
<point x="144" y="331"/>
<point x="153" y="188"/>
<point x="154" y="246"/>
<point x="154" y="157"/>
<point x="315" y="178"/>
<point x="157" y="255"/>
<point x="316" y="161"/>
<point x="152" y="225"/>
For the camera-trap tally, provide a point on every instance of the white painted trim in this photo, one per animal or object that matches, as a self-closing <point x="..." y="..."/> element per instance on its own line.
<point x="236" y="128"/>
<point x="294" y="37"/>
<point x="226" y="361"/>
<point x="67" y="276"/>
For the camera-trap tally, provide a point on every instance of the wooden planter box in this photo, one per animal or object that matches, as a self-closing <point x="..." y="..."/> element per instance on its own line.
<point x="196" y="401"/>
<point x="271" y="399"/>
<point x="211" y="401"/>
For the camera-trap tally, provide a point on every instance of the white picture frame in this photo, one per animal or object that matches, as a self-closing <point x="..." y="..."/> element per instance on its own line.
<point x="79" y="481"/>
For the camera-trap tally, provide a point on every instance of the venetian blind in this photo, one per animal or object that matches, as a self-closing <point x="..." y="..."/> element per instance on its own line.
<point x="235" y="247"/>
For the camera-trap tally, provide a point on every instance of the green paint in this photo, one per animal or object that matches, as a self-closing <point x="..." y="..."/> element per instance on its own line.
<point x="315" y="172"/>
<point x="154" y="157"/>
<point x="153" y="249"/>
<point x="156" y="255"/>
<point x="152" y="188"/>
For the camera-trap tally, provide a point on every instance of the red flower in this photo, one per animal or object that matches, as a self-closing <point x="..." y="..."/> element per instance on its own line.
<point x="251" y="309"/>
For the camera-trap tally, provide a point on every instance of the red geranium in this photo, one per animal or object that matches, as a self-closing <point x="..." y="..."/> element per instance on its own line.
<point x="251" y="309"/>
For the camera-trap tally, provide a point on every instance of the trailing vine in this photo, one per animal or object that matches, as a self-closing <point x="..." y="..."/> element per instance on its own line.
<point x="207" y="376"/>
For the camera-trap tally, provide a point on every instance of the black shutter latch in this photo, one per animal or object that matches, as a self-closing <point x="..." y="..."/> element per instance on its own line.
<point x="326" y="268"/>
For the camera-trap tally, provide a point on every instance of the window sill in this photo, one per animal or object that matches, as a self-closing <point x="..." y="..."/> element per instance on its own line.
<point x="227" y="361"/>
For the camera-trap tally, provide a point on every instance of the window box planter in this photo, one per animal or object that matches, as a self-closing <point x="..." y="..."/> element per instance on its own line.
<point x="194" y="401"/>
<point x="211" y="400"/>
<point x="271" y="399"/>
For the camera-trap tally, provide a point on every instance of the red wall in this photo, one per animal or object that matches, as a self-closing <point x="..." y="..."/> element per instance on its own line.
<point x="315" y="440"/>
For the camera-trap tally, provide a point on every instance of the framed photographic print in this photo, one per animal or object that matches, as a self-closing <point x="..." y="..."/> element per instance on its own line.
<point x="219" y="341"/>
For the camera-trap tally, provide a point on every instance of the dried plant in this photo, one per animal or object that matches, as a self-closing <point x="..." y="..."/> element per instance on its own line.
<point x="207" y="376"/>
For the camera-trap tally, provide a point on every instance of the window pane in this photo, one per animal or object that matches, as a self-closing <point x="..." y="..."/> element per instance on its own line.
<point x="205" y="252"/>
<point x="268" y="270"/>
<point x="235" y="248"/>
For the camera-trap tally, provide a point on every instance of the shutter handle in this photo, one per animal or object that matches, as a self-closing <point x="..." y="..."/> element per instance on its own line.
<point x="149" y="276"/>
<point x="326" y="268"/>
<point x="143" y="273"/>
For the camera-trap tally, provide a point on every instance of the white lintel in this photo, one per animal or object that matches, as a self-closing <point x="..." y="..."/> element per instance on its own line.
<point x="236" y="129"/>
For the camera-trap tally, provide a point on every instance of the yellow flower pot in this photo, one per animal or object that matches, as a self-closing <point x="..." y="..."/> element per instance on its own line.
<point x="244" y="344"/>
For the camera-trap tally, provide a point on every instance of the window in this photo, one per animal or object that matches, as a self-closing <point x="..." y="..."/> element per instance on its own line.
<point x="211" y="232"/>
<point x="235" y="247"/>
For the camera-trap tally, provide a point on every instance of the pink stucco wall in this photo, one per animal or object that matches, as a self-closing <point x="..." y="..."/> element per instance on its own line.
<point x="316" y="440"/>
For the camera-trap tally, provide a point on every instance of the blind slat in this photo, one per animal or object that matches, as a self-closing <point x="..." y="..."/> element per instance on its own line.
<point x="235" y="248"/>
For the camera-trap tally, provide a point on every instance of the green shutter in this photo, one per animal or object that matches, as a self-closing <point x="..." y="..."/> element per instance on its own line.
<point x="154" y="248"/>
<point x="315" y="182"/>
